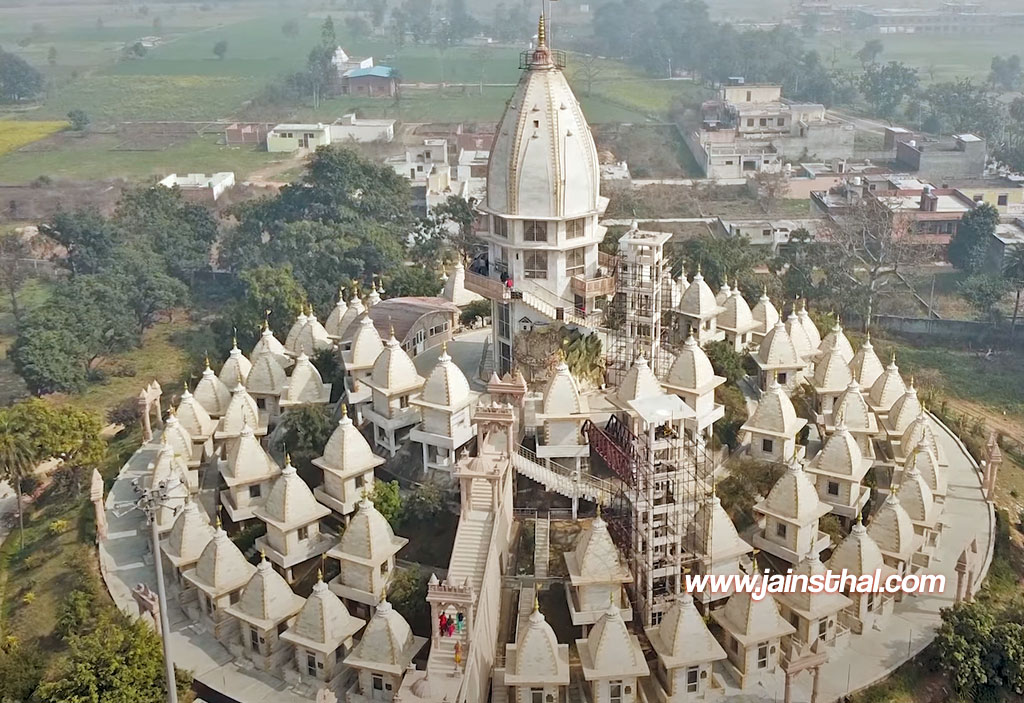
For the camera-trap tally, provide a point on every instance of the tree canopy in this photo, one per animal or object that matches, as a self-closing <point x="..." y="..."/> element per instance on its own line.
<point x="967" y="248"/>
<point x="18" y="79"/>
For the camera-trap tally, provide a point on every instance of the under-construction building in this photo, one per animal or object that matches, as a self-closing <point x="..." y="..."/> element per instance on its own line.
<point x="651" y="443"/>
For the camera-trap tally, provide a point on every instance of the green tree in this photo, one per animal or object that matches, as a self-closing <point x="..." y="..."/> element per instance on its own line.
<point x="1013" y="272"/>
<point x="13" y="269"/>
<point x="964" y="106"/>
<point x="388" y="501"/>
<point x="328" y="37"/>
<point x="60" y="431"/>
<point x="290" y="29"/>
<point x="962" y="641"/>
<point x="885" y="86"/>
<point x="424" y="502"/>
<point x="870" y="51"/>
<point x="984" y="293"/>
<point x="220" y="49"/>
<point x="976" y="227"/>
<point x="267" y="288"/>
<point x="49" y="360"/>
<point x="120" y="660"/>
<point x="1007" y="646"/>
<point x="79" y="120"/>
<point x="16" y="463"/>
<point x="413" y="281"/>
<point x="419" y="18"/>
<point x="21" y="669"/>
<point x="306" y="431"/>
<point x="726" y="361"/>
<point x="18" y="79"/>
<point x="1006" y="72"/>
<point x="89" y="239"/>
<point x="722" y="259"/>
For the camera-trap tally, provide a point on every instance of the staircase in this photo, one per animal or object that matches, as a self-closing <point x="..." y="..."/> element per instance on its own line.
<point x="541" y="546"/>
<point x="561" y="480"/>
<point x="544" y="304"/>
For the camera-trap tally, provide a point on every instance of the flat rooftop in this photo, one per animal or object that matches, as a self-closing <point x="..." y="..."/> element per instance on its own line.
<point x="1010" y="233"/>
<point x="910" y="202"/>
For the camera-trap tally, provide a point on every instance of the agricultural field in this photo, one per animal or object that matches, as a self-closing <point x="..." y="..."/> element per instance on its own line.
<point x="16" y="134"/>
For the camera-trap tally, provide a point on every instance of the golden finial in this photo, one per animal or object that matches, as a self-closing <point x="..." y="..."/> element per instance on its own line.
<point x="444" y="347"/>
<point x="599" y="510"/>
<point x="536" y="602"/>
<point x="234" y="338"/>
<point x="341" y="293"/>
<point x="542" y="33"/>
<point x="206" y="359"/>
<point x="287" y="459"/>
<point x="344" y="410"/>
<point x="391" y="326"/>
<point x="220" y="523"/>
<point x="893" y="358"/>
<point x="263" y="554"/>
<point x="320" y="575"/>
<point x="266" y="319"/>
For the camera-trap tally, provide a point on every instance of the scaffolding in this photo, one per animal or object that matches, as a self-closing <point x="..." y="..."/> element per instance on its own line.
<point x="665" y="473"/>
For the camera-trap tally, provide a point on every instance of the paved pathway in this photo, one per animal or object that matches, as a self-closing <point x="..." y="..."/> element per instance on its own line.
<point x="125" y="561"/>
<point x="875" y="654"/>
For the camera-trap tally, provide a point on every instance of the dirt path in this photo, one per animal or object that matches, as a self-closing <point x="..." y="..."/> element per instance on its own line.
<point x="265" y="176"/>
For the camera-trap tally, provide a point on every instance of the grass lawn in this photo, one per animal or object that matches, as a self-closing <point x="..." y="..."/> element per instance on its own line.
<point x="89" y="158"/>
<point x="108" y="98"/>
<point x="16" y="134"/>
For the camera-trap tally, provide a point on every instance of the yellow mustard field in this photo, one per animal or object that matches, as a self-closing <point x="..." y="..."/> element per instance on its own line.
<point x="15" y="134"/>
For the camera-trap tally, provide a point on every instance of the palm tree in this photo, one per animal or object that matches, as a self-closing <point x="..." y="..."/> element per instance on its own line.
<point x="16" y="462"/>
<point x="1013" y="271"/>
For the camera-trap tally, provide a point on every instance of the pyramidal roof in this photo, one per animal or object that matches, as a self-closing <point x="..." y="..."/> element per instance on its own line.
<point x="794" y="497"/>
<point x="810" y="329"/>
<point x="347" y="325"/>
<point x="724" y="291"/>
<point x="917" y="498"/>
<point x="831" y="371"/>
<point x="640" y="382"/>
<point x="692" y="371"/>
<point x="610" y="651"/>
<point x="368" y="538"/>
<point x="887" y="388"/>
<point x="852" y="409"/>
<point x="193" y="416"/>
<point x="858" y="553"/>
<point x="189" y="535"/>
<point x="777" y="349"/>
<point x="699" y="300"/>
<point x="562" y="394"/>
<point x="841" y="456"/>
<point x="393" y="371"/>
<point x="267" y="600"/>
<point x="241" y="411"/>
<point x="290" y="503"/>
<point x="774" y="414"/>
<point x="387" y="643"/>
<point x="291" y="338"/>
<point x="455" y="290"/>
<point x="211" y="393"/>
<point x="596" y="558"/>
<point x="169" y="463"/>
<point x="247" y="461"/>
<point x="333" y="323"/>
<point x="347" y="452"/>
<point x="267" y="376"/>
<point x="236" y="367"/>
<point x="324" y="622"/>
<point x="866" y="367"/>
<point x="305" y="385"/>
<point x="311" y="337"/>
<point x="446" y="385"/>
<point x="716" y="528"/>
<point x="837" y="338"/>
<point x="366" y="344"/>
<point x="269" y="344"/>
<point x="736" y="315"/>
<point x="905" y="410"/>
<point x="813" y="605"/>
<point x="764" y="314"/>
<point x="925" y="462"/>
<point x="750" y="620"/>
<point x="543" y="162"/>
<point x="798" y="335"/>
<point x="221" y="568"/>
<point x="683" y="638"/>
<point x="179" y="439"/>
<point x="892" y="529"/>
<point x="920" y="434"/>
<point x="537" y="656"/>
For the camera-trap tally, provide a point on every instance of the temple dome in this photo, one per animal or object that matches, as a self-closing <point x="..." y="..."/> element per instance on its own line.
<point x="562" y="394"/>
<point x="393" y="371"/>
<point x="699" y="300"/>
<point x="640" y="382"/>
<point x="683" y="637"/>
<point x="189" y="535"/>
<point x="241" y="411"/>
<point x="221" y="567"/>
<point x="797" y="333"/>
<point x="858" y="553"/>
<point x="537" y="652"/>
<point x="324" y="621"/>
<point x="347" y="451"/>
<point x="267" y="376"/>
<point x="267" y="597"/>
<point x="366" y="344"/>
<point x="305" y="385"/>
<point x="369" y="536"/>
<point x="923" y="460"/>
<point x="387" y="642"/>
<point x="446" y="385"/>
<point x="333" y="323"/>
<point x="866" y="367"/>
<point x="290" y="501"/>
<point x="837" y="338"/>
<point x="852" y="409"/>
<point x="831" y="371"/>
<point x="887" y="388"/>
<point x="775" y="413"/>
<point x="193" y="416"/>
<point x="905" y="410"/>
<point x="764" y="314"/>
<point x="543" y="162"/>
<point x="692" y="370"/>
<point x="236" y="368"/>
<point x="269" y="344"/>
<point x="247" y="460"/>
<point x="211" y="393"/>
<point x="778" y="350"/>
<point x="841" y="456"/>
<point x="892" y="528"/>
<point x="794" y="497"/>
<point x="736" y="315"/>
<point x="809" y="328"/>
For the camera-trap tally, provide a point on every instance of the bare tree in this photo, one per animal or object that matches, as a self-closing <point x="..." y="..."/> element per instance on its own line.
<point x="13" y="271"/>
<point x="771" y="187"/>
<point x="587" y="68"/>
<point x="864" y="251"/>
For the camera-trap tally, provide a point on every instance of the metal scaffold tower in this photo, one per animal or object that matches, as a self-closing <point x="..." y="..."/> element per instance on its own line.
<point x="664" y="469"/>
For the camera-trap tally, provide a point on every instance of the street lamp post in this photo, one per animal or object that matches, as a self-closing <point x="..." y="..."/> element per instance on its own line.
<point x="148" y="503"/>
